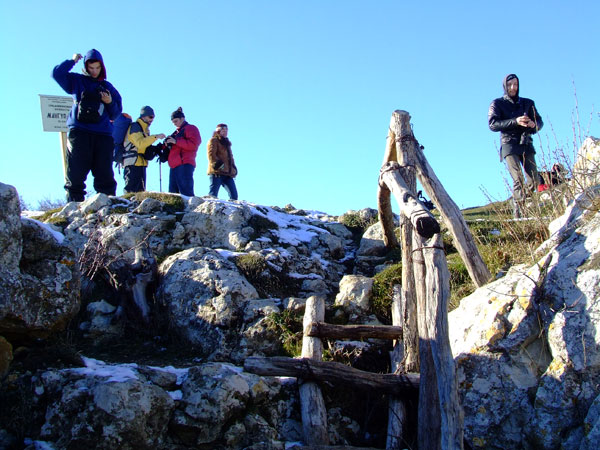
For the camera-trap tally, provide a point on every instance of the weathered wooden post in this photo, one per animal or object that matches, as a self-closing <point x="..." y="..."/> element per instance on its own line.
<point x="437" y="283"/>
<point x="440" y="417"/>
<point x="312" y="405"/>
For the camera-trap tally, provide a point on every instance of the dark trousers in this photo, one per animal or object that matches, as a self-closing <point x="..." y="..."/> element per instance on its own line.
<point x="522" y="187"/>
<point x="181" y="180"/>
<point x="89" y="152"/>
<point x="216" y="181"/>
<point x="135" y="178"/>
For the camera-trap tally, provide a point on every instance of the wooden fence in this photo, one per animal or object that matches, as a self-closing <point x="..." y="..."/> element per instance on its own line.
<point x="422" y="358"/>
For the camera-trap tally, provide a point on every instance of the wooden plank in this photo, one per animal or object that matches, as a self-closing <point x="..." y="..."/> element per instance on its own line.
<point x="333" y="372"/>
<point x="312" y="405"/>
<point x="331" y="331"/>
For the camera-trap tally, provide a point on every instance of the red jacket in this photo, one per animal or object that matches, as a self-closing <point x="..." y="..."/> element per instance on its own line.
<point x="185" y="149"/>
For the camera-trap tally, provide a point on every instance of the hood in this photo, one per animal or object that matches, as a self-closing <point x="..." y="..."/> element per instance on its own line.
<point x="94" y="55"/>
<point x="505" y="82"/>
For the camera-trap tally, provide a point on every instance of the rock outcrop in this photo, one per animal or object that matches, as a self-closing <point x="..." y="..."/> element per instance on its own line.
<point x="39" y="275"/>
<point x="527" y="345"/>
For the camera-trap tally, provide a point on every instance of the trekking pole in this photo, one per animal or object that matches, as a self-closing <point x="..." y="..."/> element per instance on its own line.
<point x="159" y="176"/>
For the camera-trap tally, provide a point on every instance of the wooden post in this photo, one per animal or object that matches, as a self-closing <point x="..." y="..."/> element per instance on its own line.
<point x="384" y="205"/>
<point x="452" y="216"/>
<point x="63" y="147"/>
<point x="314" y="413"/>
<point x="428" y="433"/>
<point x="438" y="294"/>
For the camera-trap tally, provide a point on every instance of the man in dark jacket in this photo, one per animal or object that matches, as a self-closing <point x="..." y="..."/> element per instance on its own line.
<point x="516" y="118"/>
<point x="90" y="142"/>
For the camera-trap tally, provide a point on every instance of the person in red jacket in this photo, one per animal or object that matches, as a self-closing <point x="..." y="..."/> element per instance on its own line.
<point x="184" y="143"/>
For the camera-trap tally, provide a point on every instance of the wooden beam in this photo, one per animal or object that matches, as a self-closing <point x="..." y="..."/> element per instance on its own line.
<point x="330" y="331"/>
<point x="333" y="372"/>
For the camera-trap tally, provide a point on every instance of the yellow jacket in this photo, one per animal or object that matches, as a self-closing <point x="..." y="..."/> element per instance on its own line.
<point x="136" y="142"/>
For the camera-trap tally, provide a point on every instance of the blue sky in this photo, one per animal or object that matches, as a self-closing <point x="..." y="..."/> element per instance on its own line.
<point x="307" y="87"/>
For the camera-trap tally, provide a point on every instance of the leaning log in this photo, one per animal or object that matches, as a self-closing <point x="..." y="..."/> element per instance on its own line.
<point x="333" y="372"/>
<point x="312" y="405"/>
<point x="330" y="331"/>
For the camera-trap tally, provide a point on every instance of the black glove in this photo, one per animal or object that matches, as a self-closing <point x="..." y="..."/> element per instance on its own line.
<point x="163" y="155"/>
<point x="151" y="152"/>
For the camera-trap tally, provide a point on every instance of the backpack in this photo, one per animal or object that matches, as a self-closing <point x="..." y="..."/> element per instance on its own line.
<point x="120" y="127"/>
<point x="90" y="107"/>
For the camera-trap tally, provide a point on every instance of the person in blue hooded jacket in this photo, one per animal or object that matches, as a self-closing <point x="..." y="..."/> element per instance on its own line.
<point x="90" y="144"/>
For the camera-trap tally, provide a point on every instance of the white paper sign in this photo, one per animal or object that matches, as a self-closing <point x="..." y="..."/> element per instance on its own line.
<point x="55" y="110"/>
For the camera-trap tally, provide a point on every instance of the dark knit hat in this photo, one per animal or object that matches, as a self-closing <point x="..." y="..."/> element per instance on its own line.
<point x="177" y="114"/>
<point x="147" y="111"/>
<point x="221" y="125"/>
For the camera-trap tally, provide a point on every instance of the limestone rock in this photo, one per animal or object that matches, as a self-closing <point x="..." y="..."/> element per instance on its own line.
<point x="355" y="294"/>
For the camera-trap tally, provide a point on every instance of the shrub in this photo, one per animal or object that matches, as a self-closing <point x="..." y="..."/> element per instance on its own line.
<point x="382" y="294"/>
<point x="288" y="325"/>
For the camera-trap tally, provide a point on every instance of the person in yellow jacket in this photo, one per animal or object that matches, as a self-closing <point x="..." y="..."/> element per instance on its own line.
<point x="136" y="143"/>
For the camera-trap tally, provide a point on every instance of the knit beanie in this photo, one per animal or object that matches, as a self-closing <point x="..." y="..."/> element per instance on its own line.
<point x="177" y="114"/>
<point x="146" y="111"/>
<point x="221" y="125"/>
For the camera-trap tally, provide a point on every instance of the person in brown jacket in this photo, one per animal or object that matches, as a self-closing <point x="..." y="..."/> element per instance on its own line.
<point x="221" y="165"/>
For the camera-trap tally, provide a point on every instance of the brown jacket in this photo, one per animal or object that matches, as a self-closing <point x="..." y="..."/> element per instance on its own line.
<point x="220" y="158"/>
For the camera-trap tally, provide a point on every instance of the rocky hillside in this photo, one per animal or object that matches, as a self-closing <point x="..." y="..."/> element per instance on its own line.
<point x="125" y="322"/>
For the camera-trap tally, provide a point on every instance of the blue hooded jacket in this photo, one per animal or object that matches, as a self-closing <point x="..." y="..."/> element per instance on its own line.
<point x="75" y="84"/>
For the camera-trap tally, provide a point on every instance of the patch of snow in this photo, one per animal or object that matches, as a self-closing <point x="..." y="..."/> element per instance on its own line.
<point x="114" y="372"/>
<point x="55" y="234"/>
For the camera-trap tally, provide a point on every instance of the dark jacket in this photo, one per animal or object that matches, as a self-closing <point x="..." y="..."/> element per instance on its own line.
<point x="220" y="157"/>
<point x="75" y="84"/>
<point x="185" y="149"/>
<point x="502" y="117"/>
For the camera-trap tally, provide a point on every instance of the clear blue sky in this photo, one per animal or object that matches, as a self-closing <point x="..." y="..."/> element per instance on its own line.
<point x="307" y="87"/>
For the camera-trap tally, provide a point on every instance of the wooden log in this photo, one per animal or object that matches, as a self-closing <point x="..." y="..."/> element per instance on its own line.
<point x="428" y="433"/>
<point x="312" y="405"/>
<point x="333" y="372"/>
<point x="327" y="330"/>
<point x="420" y="217"/>
<point x="384" y="205"/>
<point x="438" y="294"/>
<point x="405" y="158"/>
<point x="396" y="407"/>
<point x="386" y="216"/>
<point x="452" y="216"/>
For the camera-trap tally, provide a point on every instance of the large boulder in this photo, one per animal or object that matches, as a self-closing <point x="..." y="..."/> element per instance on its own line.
<point x="204" y="294"/>
<point x="40" y="279"/>
<point x="527" y="345"/>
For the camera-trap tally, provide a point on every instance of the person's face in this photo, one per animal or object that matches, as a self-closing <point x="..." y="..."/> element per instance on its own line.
<point x="148" y="119"/>
<point x="94" y="69"/>
<point x="177" y="121"/>
<point x="512" y="87"/>
<point x="223" y="132"/>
